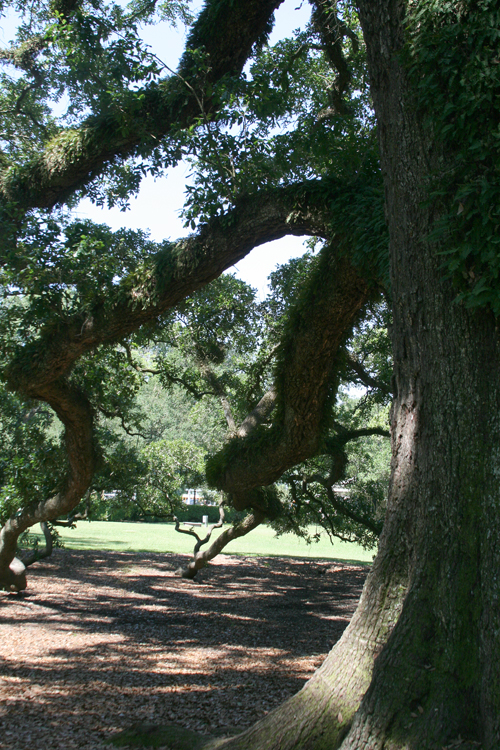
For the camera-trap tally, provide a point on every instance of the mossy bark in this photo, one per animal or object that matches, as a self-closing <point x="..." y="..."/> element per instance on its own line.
<point x="224" y="31"/>
<point x="430" y="660"/>
<point x="438" y="677"/>
<point x="306" y="377"/>
<point x="176" y="271"/>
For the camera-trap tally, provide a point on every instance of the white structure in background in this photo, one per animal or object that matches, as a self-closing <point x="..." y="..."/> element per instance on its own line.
<point x="193" y="497"/>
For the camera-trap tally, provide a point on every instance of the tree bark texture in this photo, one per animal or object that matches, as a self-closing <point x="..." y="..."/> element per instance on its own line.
<point x="438" y="677"/>
<point x="320" y="715"/>
<point x="436" y="651"/>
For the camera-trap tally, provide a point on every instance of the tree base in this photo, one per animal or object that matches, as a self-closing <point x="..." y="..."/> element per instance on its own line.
<point x="14" y="578"/>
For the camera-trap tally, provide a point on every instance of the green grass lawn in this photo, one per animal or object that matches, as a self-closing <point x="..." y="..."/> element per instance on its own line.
<point x="162" y="537"/>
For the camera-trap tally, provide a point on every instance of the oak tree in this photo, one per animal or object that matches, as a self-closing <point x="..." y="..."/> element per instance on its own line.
<point x="418" y="665"/>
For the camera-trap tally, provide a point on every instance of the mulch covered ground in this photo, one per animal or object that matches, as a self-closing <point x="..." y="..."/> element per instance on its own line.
<point x="102" y="640"/>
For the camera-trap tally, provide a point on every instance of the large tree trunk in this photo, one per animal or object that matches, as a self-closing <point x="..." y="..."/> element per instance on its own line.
<point x="320" y="715"/>
<point x="437" y="678"/>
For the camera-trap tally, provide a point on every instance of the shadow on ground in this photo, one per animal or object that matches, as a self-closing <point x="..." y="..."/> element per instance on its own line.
<point x="105" y="640"/>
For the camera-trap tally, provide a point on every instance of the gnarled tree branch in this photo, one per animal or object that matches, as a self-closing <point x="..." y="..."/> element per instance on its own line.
<point x="305" y="379"/>
<point x="173" y="274"/>
<point x="75" y="412"/>
<point x="226" y="31"/>
<point x="234" y="532"/>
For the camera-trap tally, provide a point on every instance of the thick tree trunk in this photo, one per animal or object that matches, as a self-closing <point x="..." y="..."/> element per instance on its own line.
<point x="320" y="715"/>
<point x="437" y="678"/>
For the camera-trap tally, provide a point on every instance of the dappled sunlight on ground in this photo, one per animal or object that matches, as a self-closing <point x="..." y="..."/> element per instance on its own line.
<point x="102" y="640"/>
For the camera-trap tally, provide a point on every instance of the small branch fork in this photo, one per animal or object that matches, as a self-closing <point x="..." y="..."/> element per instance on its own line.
<point x="234" y="532"/>
<point x="116" y="414"/>
<point x="191" y="532"/>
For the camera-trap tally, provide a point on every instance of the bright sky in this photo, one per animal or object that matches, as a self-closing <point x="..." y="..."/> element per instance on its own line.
<point x="157" y="206"/>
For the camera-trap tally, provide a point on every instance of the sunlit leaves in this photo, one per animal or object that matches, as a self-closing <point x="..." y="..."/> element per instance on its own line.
<point x="59" y="269"/>
<point x="71" y="60"/>
<point x="270" y="130"/>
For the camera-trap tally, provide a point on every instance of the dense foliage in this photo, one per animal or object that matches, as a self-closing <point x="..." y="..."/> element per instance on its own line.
<point x="453" y="62"/>
<point x="169" y="387"/>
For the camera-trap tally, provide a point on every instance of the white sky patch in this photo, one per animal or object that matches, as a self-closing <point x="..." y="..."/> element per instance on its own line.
<point x="159" y="202"/>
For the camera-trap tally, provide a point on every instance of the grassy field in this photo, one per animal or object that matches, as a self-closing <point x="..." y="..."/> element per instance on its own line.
<point x="162" y="537"/>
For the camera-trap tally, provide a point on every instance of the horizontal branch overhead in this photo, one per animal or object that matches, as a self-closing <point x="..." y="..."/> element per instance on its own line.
<point x="225" y="33"/>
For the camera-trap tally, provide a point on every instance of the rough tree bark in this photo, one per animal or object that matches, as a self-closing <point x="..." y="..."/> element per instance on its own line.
<point x="438" y="678"/>
<point x="320" y="715"/>
<point x="418" y="665"/>
<point x="429" y="609"/>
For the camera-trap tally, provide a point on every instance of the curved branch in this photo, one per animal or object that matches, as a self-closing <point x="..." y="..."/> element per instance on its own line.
<point x="332" y="31"/>
<point x="257" y="370"/>
<point x="344" y="435"/>
<point x="347" y="511"/>
<point x="192" y="532"/>
<point x="175" y="272"/>
<point x="116" y="414"/>
<point x="133" y="363"/>
<point x="219" y="390"/>
<point x="73" y="518"/>
<point x="323" y="517"/>
<point x="365" y="377"/>
<point x="306" y="378"/>
<point x="234" y="532"/>
<point x="75" y="412"/>
<point x="338" y="505"/>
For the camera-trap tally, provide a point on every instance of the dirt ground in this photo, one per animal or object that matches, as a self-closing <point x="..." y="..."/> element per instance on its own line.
<point x="102" y="640"/>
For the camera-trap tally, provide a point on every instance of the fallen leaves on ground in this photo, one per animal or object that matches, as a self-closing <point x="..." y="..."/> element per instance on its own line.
<point x="102" y="640"/>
